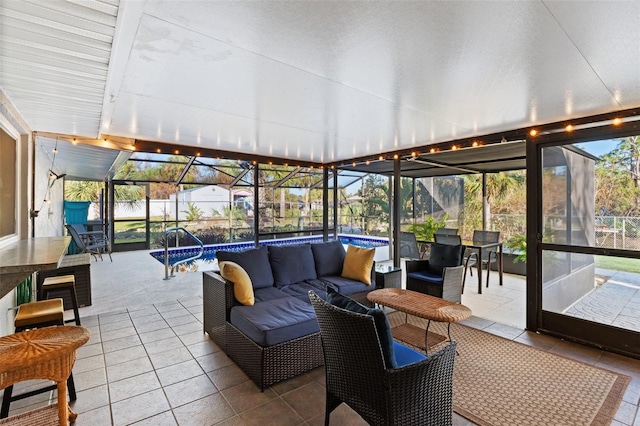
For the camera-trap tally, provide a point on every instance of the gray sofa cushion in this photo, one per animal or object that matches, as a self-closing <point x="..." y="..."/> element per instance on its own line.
<point x="275" y="321"/>
<point x="328" y="257"/>
<point x="347" y="285"/>
<point x="301" y="290"/>
<point x="268" y="293"/>
<point x="292" y="264"/>
<point x="254" y="261"/>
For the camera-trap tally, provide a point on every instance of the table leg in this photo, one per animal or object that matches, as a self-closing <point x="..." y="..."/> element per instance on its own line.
<point x="426" y="338"/>
<point x="479" y="263"/>
<point x="500" y="263"/>
<point x="449" y="335"/>
<point x="63" y="407"/>
<point x="72" y="414"/>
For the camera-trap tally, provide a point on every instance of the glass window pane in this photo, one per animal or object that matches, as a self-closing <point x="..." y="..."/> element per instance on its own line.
<point x="602" y="289"/>
<point x="591" y="194"/>
<point x="290" y="199"/>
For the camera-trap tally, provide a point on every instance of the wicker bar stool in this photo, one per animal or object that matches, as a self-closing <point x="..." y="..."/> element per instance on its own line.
<point x="62" y="283"/>
<point x="43" y="353"/>
<point x="33" y="315"/>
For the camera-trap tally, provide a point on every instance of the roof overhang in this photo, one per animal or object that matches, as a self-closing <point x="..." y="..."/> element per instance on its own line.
<point x="481" y="159"/>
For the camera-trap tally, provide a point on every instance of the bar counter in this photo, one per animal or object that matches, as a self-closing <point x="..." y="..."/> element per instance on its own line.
<point x="20" y="259"/>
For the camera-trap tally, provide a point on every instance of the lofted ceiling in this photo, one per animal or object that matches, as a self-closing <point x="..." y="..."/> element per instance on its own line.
<point x="318" y="81"/>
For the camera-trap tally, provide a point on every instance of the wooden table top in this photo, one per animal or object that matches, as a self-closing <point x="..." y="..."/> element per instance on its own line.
<point x="420" y="305"/>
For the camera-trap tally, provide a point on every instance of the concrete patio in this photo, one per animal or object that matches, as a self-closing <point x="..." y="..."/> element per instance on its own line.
<point x="149" y="362"/>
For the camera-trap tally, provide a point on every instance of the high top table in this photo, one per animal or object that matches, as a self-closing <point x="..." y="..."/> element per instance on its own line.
<point x="20" y="259"/>
<point x="422" y="306"/>
<point x="479" y="246"/>
<point x="43" y="353"/>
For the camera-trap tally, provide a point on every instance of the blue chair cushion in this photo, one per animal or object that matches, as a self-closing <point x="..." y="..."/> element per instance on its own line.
<point x="379" y="318"/>
<point x="275" y="321"/>
<point x="426" y="276"/>
<point x="444" y="255"/>
<point x="292" y="264"/>
<point x="254" y="261"/>
<point x="328" y="258"/>
<point x="405" y="355"/>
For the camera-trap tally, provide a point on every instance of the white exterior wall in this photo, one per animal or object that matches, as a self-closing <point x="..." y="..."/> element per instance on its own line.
<point x="205" y="198"/>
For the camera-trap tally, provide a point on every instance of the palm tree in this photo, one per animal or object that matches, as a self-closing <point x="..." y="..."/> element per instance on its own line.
<point x="499" y="185"/>
<point x="76" y="190"/>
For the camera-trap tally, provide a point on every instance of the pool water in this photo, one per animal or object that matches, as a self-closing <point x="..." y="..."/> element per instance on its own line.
<point x="208" y="260"/>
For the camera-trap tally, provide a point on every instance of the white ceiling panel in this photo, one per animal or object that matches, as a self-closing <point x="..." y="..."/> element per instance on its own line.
<point x="608" y="36"/>
<point x="54" y="62"/>
<point x="319" y="81"/>
<point x="80" y="161"/>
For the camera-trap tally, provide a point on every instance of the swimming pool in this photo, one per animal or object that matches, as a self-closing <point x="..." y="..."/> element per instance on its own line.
<point x="208" y="260"/>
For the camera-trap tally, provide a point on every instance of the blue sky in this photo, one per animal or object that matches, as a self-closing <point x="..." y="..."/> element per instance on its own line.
<point x="599" y="148"/>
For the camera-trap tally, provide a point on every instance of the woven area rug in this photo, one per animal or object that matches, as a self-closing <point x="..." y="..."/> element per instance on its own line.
<point x="501" y="382"/>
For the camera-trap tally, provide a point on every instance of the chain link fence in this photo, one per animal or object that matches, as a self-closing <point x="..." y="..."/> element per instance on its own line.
<point x="621" y="232"/>
<point x="509" y="225"/>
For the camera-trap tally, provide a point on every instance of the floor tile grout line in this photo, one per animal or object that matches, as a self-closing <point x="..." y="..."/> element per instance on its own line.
<point x="111" y="403"/>
<point x="519" y="335"/>
<point x="162" y="387"/>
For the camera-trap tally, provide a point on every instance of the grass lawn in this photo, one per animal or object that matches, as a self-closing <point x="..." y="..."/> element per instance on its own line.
<point x="133" y="224"/>
<point x="618" y="263"/>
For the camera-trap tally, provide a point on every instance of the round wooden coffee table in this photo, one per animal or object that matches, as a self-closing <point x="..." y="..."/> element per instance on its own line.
<point x="420" y="305"/>
<point x="44" y="353"/>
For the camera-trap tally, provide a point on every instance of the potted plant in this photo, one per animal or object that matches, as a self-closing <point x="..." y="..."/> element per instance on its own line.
<point x="514" y="257"/>
<point x="424" y="231"/>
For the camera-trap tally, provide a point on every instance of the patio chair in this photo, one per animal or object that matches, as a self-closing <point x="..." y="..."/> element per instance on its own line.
<point x="453" y="240"/>
<point x="489" y="255"/>
<point x="449" y="239"/>
<point x="440" y="276"/>
<point x="446" y="231"/>
<point x="409" y="246"/>
<point x="94" y="243"/>
<point x="417" y="393"/>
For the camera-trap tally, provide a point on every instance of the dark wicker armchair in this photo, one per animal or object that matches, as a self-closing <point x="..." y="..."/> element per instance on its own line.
<point x="440" y="276"/>
<point x="416" y="394"/>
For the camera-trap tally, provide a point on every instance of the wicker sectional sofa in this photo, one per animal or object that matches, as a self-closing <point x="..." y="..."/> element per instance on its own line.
<point x="278" y="337"/>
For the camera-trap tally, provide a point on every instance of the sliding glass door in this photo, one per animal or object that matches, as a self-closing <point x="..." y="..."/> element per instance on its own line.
<point x="130" y="213"/>
<point x="589" y="262"/>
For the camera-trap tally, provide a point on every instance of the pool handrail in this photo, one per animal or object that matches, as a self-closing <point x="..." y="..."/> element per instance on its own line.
<point x="166" y="250"/>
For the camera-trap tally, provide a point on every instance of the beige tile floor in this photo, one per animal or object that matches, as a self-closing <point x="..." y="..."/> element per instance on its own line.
<point x="149" y="362"/>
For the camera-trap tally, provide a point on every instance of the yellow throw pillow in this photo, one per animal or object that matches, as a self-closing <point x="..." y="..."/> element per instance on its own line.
<point x="242" y="288"/>
<point x="358" y="263"/>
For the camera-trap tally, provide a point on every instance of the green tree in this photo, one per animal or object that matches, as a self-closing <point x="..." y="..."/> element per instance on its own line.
<point x="406" y="199"/>
<point x="618" y="179"/>
<point x="506" y="193"/>
<point x="76" y="190"/>
<point x="375" y="204"/>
